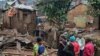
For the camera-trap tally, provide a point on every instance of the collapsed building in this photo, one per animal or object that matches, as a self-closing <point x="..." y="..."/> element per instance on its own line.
<point x="16" y="24"/>
<point x="19" y="14"/>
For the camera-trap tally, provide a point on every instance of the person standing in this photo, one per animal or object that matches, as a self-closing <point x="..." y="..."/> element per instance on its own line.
<point x="70" y="49"/>
<point x="62" y="45"/>
<point x="76" y="45"/>
<point x="89" y="48"/>
<point x="38" y="48"/>
<point x="81" y="42"/>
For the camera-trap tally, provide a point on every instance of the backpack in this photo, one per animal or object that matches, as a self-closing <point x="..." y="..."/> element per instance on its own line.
<point x="76" y="46"/>
<point x="41" y="49"/>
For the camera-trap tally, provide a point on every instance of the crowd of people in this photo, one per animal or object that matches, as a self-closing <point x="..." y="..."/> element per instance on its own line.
<point x="70" y="44"/>
<point x="75" y="45"/>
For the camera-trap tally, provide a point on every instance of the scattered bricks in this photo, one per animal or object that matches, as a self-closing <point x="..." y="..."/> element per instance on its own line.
<point x="15" y="52"/>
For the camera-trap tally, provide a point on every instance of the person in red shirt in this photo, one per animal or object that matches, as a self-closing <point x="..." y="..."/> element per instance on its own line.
<point x="89" y="48"/>
<point x="75" y="45"/>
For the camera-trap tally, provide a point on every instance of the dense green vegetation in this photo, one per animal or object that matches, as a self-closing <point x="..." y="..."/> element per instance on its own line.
<point x="95" y="4"/>
<point x="55" y="10"/>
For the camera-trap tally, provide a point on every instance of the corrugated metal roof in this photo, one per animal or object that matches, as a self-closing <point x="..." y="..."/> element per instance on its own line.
<point x="28" y="4"/>
<point x="10" y="2"/>
<point x="21" y="6"/>
<point x="75" y="3"/>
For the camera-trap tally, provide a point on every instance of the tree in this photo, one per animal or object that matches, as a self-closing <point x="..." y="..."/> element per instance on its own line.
<point x="95" y="9"/>
<point x="95" y="6"/>
<point x="55" y="10"/>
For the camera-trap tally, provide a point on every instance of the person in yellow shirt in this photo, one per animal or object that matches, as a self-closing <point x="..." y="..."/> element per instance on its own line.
<point x="39" y="48"/>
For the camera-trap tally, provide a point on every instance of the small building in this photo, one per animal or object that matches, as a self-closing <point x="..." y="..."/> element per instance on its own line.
<point x="20" y="15"/>
<point x="79" y="9"/>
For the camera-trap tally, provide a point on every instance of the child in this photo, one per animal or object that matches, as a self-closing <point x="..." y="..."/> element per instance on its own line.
<point x="38" y="48"/>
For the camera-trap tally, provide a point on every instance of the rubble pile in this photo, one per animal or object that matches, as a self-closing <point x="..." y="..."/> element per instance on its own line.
<point x="10" y="38"/>
<point x="15" y="43"/>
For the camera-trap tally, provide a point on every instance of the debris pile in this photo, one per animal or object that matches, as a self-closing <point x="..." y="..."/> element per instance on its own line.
<point x="15" y="43"/>
<point x="11" y="38"/>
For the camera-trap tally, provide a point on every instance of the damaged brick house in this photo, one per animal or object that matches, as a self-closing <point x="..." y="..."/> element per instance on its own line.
<point x="79" y="14"/>
<point x="20" y="14"/>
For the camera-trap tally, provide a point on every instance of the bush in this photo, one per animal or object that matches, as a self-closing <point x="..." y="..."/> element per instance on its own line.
<point x="97" y="42"/>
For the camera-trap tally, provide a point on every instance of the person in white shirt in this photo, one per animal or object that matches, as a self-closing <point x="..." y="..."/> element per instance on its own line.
<point x="81" y="42"/>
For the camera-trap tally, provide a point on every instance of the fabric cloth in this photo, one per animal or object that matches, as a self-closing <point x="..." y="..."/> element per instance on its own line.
<point x="66" y="34"/>
<point x="39" y="33"/>
<point x="81" y="52"/>
<point x="45" y="53"/>
<point x="61" y="51"/>
<point x="89" y="49"/>
<point x="81" y="42"/>
<point x="76" y="48"/>
<point x="35" y="49"/>
<point x="11" y="12"/>
<point x="70" y="50"/>
<point x="72" y="38"/>
<point x="39" y="49"/>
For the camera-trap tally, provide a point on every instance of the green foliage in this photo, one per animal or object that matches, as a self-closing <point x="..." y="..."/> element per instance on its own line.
<point x="55" y="10"/>
<point x="98" y="43"/>
<point x="95" y="10"/>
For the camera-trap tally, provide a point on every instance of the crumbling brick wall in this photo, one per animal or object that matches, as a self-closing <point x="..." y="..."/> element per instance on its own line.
<point x="23" y="21"/>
